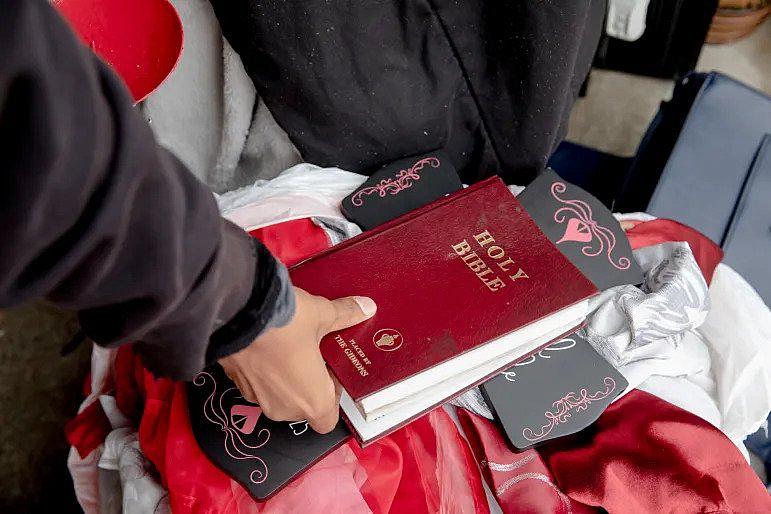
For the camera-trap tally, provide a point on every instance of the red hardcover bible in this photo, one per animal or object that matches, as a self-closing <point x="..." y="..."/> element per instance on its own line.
<point x="465" y="286"/>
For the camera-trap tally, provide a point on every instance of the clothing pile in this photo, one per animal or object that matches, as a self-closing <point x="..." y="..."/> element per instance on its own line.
<point x="693" y="342"/>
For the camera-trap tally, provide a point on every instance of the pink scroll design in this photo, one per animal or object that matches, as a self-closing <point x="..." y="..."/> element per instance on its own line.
<point x="557" y="346"/>
<point x="403" y="180"/>
<point x="582" y="227"/>
<point x="535" y="476"/>
<point x="234" y="444"/>
<point x="561" y="409"/>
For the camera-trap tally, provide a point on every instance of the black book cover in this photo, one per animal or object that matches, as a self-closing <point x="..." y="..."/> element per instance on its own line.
<point x="262" y="455"/>
<point x="583" y="229"/>
<point x="555" y="392"/>
<point x="400" y="187"/>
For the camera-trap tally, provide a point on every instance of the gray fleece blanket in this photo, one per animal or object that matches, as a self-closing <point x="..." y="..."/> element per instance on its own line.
<point x="208" y="113"/>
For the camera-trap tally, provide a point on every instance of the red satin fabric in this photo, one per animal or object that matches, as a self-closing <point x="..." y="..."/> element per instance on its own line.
<point x="655" y="457"/>
<point x="643" y="455"/>
<point x="520" y="481"/>
<point x="88" y="430"/>
<point x="293" y="241"/>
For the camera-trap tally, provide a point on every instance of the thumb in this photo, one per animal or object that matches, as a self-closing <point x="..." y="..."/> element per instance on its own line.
<point x="350" y="311"/>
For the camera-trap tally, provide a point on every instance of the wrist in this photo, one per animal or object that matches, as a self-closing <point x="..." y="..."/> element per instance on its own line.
<point x="271" y="304"/>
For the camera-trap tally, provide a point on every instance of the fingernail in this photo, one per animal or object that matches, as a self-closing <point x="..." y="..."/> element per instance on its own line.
<point x="367" y="305"/>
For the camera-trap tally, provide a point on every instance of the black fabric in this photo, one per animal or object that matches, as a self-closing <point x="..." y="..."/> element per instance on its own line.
<point x="361" y="84"/>
<point x="95" y="216"/>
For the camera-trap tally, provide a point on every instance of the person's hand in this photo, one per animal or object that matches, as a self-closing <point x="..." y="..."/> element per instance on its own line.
<point x="283" y="371"/>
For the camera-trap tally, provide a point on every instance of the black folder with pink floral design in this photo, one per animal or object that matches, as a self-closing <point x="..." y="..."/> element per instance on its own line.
<point x="262" y="455"/>
<point x="566" y="386"/>
<point x="583" y="229"/>
<point x="555" y="392"/>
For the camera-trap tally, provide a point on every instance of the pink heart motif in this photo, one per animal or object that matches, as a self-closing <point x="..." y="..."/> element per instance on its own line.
<point x="244" y="417"/>
<point x="576" y="230"/>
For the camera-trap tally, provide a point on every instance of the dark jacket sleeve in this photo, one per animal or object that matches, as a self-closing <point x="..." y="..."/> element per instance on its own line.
<point x="96" y="217"/>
